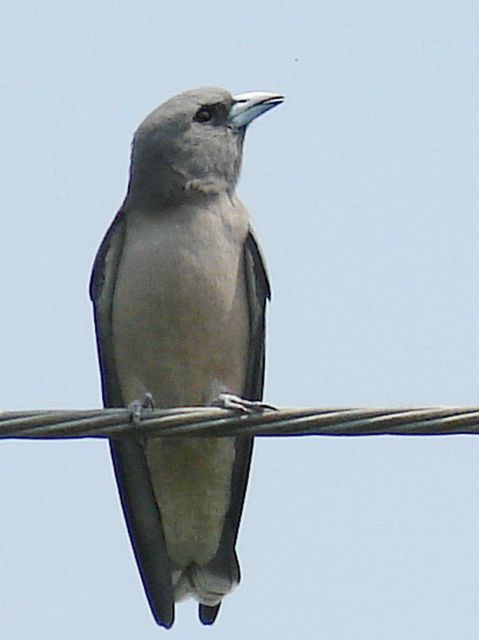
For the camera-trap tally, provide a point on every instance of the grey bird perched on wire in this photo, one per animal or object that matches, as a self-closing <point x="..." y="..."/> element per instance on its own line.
<point x="179" y="290"/>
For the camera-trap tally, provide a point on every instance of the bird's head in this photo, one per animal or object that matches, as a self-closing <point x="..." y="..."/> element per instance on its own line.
<point x="191" y="146"/>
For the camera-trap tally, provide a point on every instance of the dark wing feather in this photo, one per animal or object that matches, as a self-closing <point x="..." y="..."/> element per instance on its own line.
<point x="102" y="288"/>
<point x="258" y="292"/>
<point x="136" y="492"/>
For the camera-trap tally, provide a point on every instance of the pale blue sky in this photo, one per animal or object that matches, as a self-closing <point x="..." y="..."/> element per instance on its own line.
<point x="364" y="191"/>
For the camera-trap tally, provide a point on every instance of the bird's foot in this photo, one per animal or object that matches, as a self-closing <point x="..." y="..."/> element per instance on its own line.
<point x="137" y="407"/>
<point x="236" y="403"/>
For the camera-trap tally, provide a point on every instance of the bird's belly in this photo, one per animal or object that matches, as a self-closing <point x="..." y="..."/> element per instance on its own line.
<point x="192" y="483"/>
<point x="181" y="328"/>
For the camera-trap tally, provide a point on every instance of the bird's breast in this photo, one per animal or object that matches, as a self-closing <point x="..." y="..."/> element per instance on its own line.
<point x="180" y="314"/>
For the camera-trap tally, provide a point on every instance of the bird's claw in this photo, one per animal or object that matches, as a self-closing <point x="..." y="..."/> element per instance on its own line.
<point x="138" y="406"/>
<point x="236" y="403"/>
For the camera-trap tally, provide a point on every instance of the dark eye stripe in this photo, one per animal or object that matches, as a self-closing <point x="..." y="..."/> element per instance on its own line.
<point x="203" y="114"/>
<point x="217" y="113"/>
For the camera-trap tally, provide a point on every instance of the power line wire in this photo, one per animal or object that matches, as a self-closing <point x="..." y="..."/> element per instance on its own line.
<point x="214" y="422"/>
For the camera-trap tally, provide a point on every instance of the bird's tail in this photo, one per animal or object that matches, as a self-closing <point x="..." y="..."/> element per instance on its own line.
<point x="209" y="583"/>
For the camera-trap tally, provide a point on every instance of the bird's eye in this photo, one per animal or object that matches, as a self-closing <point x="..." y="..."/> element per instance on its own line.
<point x="203" y="115"/>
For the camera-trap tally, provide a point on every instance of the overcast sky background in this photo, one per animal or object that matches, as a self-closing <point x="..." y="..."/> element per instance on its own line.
<point x="364" y="192"/>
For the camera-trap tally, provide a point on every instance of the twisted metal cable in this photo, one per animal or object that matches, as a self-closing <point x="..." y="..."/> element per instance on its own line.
<point x="214" y="422"/>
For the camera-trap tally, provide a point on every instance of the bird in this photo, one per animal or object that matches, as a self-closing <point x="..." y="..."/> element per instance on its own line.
<point x="179" y="290"/>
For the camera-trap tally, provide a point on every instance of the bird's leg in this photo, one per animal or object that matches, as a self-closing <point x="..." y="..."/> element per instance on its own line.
<point x="138" y="406"/>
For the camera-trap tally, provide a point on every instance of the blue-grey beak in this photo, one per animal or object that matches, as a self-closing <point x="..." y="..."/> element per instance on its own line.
<point x="248" y="106"/>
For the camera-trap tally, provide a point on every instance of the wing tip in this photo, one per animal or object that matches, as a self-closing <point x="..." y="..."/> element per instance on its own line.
<point x="164" y="614"/>
<point x="166" y="624"/>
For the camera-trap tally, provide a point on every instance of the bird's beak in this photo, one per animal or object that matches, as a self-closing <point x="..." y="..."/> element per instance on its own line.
<point x="248" y="106"/>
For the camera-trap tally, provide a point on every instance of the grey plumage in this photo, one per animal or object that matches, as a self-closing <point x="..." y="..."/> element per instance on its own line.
<point x="179" y="291"/>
